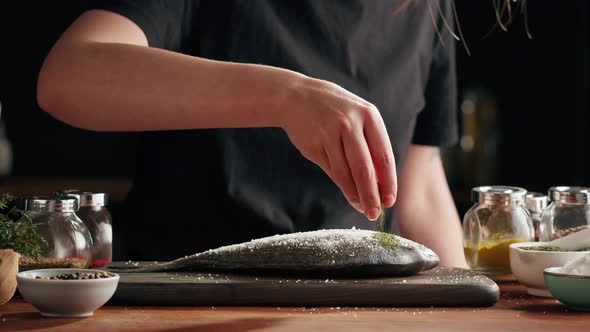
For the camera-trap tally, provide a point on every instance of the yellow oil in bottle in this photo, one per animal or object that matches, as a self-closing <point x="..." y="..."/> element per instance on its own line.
<point x="491" y="257"/>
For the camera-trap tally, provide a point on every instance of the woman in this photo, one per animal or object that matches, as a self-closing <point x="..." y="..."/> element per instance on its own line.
<point x="265" y="117"/>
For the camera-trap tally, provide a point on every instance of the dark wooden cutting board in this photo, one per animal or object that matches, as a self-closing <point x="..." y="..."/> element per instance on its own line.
<point x="437" y="287"/>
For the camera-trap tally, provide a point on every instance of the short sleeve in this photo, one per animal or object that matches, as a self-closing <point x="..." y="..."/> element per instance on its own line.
<point x="437" y="123"/>
<point x="166" y="24"/>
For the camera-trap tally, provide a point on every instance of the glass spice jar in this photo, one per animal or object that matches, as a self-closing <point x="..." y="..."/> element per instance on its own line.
<point x="97" y="218"/>
<point x="497" y="219"/>
<point x="568" y="212"/>
<point x="68" y="243"/>
<point x="536" y="203"/>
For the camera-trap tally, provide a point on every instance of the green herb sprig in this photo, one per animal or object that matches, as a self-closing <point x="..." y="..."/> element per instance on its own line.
<point x="17" y="231"/>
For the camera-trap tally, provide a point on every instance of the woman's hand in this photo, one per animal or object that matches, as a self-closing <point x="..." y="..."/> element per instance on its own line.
<point x="345" y="136"/>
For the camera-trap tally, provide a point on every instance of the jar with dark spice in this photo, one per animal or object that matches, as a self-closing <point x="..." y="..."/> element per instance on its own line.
<point x="97" y="218"/>
<point x="67" y="241"/>
<point x="497" y="219"/>
<point x="536" y="203"/>
<point x="568" y="212"/>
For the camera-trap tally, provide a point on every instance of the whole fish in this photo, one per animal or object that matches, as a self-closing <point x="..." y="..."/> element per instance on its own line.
<point x="326" y="253"/>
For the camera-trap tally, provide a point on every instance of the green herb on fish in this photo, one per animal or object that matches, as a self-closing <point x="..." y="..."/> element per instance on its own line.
<point x="387" y="240"/>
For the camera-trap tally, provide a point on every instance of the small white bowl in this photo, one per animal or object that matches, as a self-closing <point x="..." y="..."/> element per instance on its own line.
<point x="528" y="265"/>
<point x="66" y="298"/>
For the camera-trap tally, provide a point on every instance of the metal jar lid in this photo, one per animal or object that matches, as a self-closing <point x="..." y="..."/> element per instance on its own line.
<point x="498" y="194"/>
<point x="572" y="195"/>
<point x="50" y="204"/>
<point x="86" y="198"/>
<point x="536" y="202"/>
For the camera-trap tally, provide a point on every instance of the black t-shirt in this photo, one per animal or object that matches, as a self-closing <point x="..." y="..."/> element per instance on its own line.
<point x="199" y="189"/>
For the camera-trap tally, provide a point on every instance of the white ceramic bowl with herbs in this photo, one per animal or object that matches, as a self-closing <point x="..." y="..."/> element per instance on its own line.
<point x="67" y="292"/>
<point x="528" y="264"/>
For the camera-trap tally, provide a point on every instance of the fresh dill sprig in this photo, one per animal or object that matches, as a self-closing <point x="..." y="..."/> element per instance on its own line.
<point x="17" y="231"/>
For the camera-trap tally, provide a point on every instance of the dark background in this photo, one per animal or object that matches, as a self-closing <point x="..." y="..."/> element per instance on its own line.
<point x="523" y="115"/>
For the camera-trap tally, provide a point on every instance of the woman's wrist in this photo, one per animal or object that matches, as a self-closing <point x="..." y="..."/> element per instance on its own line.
<point x="287" y="97"/>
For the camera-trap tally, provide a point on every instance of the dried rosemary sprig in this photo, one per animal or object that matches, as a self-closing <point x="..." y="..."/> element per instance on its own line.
<point x="17" y="231"/>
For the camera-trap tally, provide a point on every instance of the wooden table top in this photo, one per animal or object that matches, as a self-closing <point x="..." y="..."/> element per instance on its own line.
<point x="516" y="311"/>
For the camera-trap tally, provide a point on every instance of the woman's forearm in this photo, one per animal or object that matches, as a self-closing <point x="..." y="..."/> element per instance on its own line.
<point x="114" y="86"/>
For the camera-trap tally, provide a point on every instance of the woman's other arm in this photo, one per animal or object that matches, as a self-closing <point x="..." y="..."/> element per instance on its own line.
<point x="425" y="209"/>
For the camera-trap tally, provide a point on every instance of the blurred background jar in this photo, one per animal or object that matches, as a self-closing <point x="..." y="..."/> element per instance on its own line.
<point x="568" y="212"/>
<point x="97" y="218"/>
<point x="68" y="243"/>
<point x="497" y="219"/>
<point x="536" y="203"/>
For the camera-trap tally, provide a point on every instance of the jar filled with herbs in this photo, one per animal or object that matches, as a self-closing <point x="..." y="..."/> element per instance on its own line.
<point x="568" y="212"/>
<point x="97" y="218"/>
<point x="497" y="219"/>
<point x="67" y="240"/>
<point x="536" y="203"/>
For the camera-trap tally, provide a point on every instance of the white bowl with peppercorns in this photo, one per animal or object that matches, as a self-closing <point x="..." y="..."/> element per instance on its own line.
<point x="67" y="292"/>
